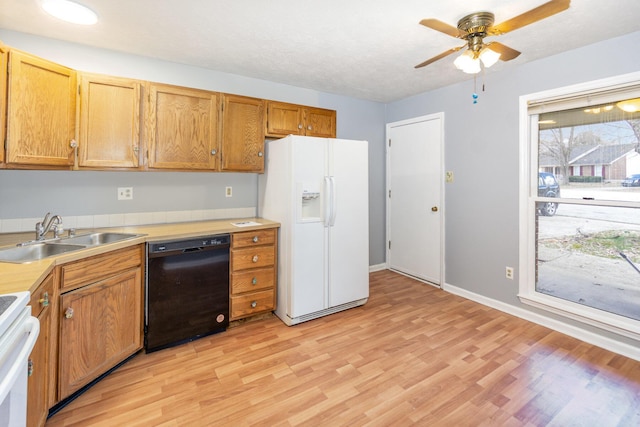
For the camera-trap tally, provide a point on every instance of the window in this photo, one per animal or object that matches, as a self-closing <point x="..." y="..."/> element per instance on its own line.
<point x="580" y="240"/>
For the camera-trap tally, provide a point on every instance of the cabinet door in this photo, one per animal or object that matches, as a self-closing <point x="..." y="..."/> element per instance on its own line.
<point x="39" y="366"/>
<point x="242" y="134"/>
<point x="100" y="326"/>
<point x="4" y="56"/>
<point x="109" y="122"/>
<point x="183" y="128"/>
<point x="41" y="111"/>
<point x="284" y="119"/>
<point x="320" y="122"/>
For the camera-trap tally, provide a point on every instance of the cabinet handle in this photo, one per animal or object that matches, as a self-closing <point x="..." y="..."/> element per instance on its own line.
<point x="434" y="209"/>
<point x="260" y="154"/>
<point x="300" y="126"/>
<point x="44" y="300"/>
<point x="309" y="127"/>
<point x="30" y="367"/>
<point x="136" y="148"/>
<point x="214" y="152"/>
<point x="254" y="281"/>
<point x="68" y="313"/>
<point x="254" y="304"/>
<point x="255" y="239"/>
<point x="255" y="258"/>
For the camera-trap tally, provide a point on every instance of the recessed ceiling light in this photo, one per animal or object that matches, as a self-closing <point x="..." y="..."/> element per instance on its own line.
<point x="70" y="11"/>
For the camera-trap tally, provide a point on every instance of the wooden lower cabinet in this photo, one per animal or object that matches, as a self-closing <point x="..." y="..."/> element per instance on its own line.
<point x="253" y="273"/>
<point x="39" y="360"/>
<point x="100" y="321"/>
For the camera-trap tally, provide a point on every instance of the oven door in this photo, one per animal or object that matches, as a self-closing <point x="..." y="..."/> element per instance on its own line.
<point x="15" y="346"/>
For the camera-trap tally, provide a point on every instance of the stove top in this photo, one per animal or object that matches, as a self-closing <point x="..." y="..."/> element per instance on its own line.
<point x="10" y="307"/>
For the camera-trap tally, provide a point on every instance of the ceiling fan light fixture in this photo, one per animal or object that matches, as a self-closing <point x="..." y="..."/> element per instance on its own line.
<point x="489" y="57"/>
<point x="69" y="11"/>
<point x="467" y="63"/>
<point x="629" y="105"/>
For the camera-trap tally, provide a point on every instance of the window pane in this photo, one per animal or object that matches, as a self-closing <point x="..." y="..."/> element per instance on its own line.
<point x="594" y="152"/>
<point x="591" y="255"/>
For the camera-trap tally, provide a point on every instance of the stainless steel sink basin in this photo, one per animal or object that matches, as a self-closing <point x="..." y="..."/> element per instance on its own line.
<point x="34" y="252"/>
<point x="95" y="239"/>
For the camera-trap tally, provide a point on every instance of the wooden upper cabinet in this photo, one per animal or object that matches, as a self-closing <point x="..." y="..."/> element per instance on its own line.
<point x="242" y="145"/>
<point x="284" y="119"/>
<point x="110" y="112"/>
<point x="290" y="119"/>
<point x="182" y="128"/>
<point x="4" y="56"/>
<point x="41" y="111"/>
<point x="320" y="122"/>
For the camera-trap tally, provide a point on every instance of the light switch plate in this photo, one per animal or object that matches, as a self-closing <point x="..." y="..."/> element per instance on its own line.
<point x="449" y="176"/>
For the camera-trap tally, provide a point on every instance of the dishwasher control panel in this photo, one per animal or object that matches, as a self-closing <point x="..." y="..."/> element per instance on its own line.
<point x="198" y="242"/>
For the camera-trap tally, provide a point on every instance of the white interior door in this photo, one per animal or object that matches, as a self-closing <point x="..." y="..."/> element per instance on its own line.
<point x="415" y="197"/>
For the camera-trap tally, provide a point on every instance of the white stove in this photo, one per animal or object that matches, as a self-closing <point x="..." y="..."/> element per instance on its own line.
<point x="18" y="333"/>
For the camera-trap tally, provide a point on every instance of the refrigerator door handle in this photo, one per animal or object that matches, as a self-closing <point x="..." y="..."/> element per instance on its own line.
<point x="328" y="201"/>
<point x="332" y="219"/>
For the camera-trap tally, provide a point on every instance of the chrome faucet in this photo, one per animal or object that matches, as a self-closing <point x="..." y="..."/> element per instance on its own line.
<point x="42" y="228"/>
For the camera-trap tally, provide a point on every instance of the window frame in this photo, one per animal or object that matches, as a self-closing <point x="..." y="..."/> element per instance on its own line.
<point x="528" y="179"/>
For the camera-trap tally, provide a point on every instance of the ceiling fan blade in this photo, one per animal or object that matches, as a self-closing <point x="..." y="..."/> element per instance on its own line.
<point x="443" y="27"/>
<point x="438" y="57"/>
<point x="543" y="11"/>
<point x="506" y="53"/>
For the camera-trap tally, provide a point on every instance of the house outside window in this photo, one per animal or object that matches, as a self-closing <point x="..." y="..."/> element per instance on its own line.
<point x="580" y="239"/>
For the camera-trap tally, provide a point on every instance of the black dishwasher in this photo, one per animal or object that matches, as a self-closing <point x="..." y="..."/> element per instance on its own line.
<point x="187" y="290"/>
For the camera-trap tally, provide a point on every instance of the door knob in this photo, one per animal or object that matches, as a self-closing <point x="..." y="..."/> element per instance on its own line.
<point x="68" y="313"/>
<point x="434" y="209"/>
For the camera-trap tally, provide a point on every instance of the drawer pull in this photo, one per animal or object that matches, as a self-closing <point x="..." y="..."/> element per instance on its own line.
<point x="68" y="313"/>
<point x="44" y="301"/>
<point x="254" y="304"/>
<point x="255" y="258"/>
<point x="255" y="239"/>
<point x="254" y="281"/>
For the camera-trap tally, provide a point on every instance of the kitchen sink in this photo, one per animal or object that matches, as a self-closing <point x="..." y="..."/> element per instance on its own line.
<point x="95" y="239"/>
<point x="34" y="252"/>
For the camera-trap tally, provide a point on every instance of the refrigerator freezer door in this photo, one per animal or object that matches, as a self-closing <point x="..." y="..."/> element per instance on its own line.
<point x="307" y="290"/>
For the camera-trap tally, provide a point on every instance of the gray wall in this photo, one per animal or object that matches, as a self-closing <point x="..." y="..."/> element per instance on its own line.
<point x="481" y="148"/>
<point x="30" y="194"/>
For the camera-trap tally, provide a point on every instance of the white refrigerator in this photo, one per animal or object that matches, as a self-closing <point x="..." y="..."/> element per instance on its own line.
<point x="317" y="188"/>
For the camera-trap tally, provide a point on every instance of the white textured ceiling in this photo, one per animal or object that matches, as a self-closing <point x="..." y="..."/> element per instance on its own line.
<point x="361" y="48"/>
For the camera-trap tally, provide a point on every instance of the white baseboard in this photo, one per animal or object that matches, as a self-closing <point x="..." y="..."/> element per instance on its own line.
<point x="610" y="344"/>
<point x="377" y="267"/>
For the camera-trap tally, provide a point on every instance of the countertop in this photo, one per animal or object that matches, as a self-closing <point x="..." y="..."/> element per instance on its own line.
<point x="27" y="277"/>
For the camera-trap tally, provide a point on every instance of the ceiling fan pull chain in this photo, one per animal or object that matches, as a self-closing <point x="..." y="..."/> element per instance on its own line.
<point x="475" y="89"/>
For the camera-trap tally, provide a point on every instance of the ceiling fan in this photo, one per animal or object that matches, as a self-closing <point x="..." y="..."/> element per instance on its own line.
<point x="475" y="27"/>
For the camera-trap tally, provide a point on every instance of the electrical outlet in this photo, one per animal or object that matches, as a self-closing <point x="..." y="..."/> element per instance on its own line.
<point x="125" y="193"/>
<point x="228" y="192"/>
<point x="449" y="176"/>
<point x="509" y="273"/>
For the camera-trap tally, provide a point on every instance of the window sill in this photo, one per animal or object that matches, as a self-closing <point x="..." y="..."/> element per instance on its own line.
<point x="594" y="317"/>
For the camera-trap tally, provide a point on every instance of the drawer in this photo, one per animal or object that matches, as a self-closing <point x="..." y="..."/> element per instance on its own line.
<point x="90" y="270"/>
<point x="42" y="297"/>
<point x="252" y="280"/>
<point x="254" y="238"/>
<point x="255" y="302"/>
<point x="261" y="256"/>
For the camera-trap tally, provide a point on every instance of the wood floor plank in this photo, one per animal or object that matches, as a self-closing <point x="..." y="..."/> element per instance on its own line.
<point x="413" y="355"/>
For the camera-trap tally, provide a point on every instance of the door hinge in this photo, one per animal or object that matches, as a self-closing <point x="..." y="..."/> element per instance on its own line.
<point x="389" y="193"/>
<point x="389" y="142"/>
<point x="79" y="89"/>
<point x="389" y="244"/>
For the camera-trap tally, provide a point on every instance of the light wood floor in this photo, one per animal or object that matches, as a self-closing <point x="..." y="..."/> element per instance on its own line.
<point x="413" y="355"/>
